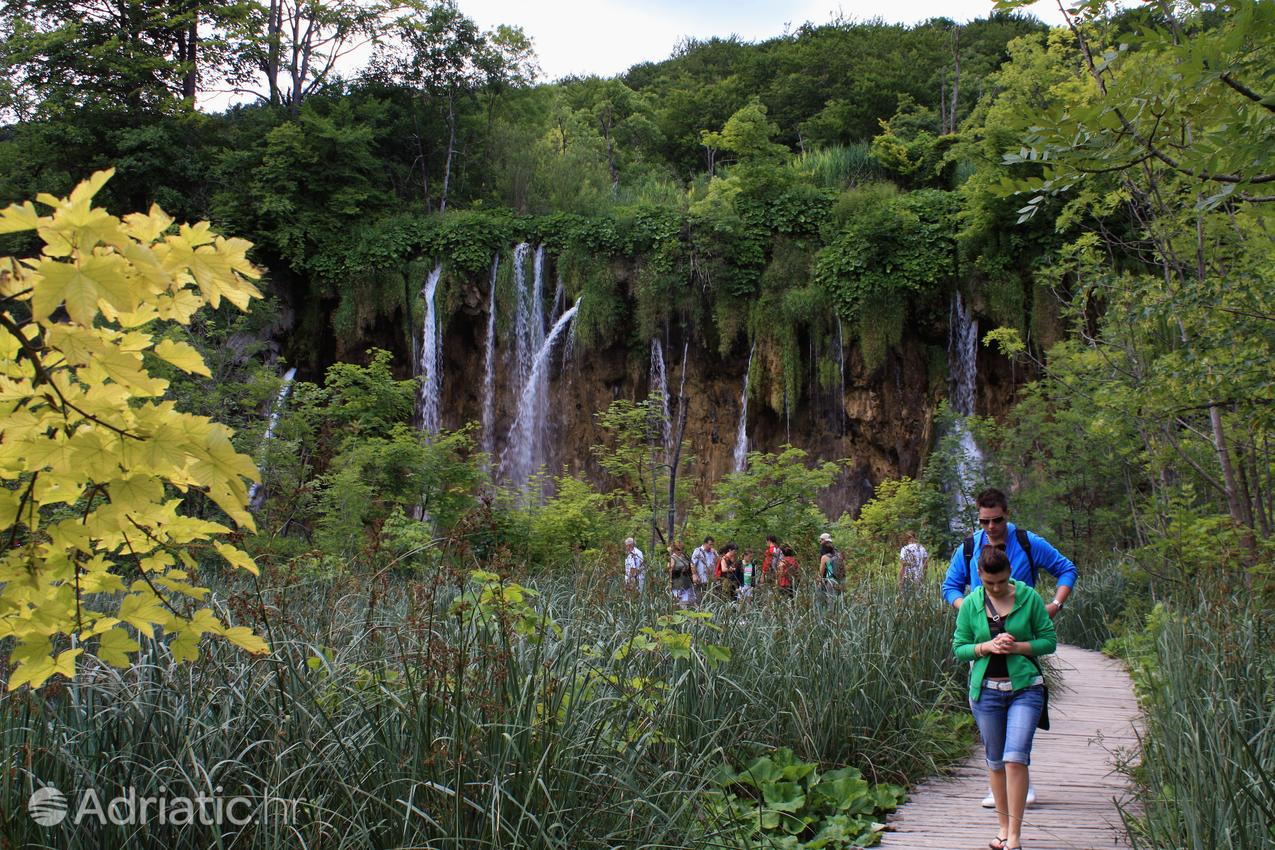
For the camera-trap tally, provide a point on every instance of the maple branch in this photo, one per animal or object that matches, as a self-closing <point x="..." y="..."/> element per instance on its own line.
<point x="1247" y="92"/>
<point x="43" y="377"/>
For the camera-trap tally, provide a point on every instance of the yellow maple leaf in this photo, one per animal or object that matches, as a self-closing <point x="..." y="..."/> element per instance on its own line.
<point x="183" y="356"/>
<point x="115" y="647"/>
<point x="16" y="218"/>
<point x="142" y="609"/>
<point x="244" y="638"/>
<point x="237" y="558"/>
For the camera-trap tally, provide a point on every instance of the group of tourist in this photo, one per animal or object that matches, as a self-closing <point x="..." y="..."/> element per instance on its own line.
<point x="735" y="573"/>
<point x="1002" y="625"/>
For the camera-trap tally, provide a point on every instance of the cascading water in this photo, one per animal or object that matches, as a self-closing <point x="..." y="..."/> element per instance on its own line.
<point x="559" y="298"/>
<point x="489" y="366"/>
<point x="962" y="349"/>
<point x="431" y="364"/>
<point x="659" y="386"/>
<point x="962" y="358"/>
<point x="538" y="298"/>
<point x="276" y="410"/>
<point x="524" y="347"/>
<point x="841" y="379"/>
<point x="741" y="433"/>
<point x="524" y="453"/>
<point x="681" y="384"/>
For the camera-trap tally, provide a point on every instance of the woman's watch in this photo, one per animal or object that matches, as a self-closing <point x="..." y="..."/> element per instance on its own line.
<point x="1058" y="602"/>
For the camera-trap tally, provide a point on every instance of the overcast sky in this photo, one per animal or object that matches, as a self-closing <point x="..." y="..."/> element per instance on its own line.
<point x="606" y="37"/>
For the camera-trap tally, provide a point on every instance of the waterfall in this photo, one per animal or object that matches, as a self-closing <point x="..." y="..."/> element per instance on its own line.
<point x="569" y="350"/>
<point x="524" y="347"/>
<point x="962" y="358"/>
<point x="559" y="298"/>
<point x="276" y="409"/>
<point x="962" y="352"/>
<point x="841" y="379"/>
<point x="431" y="363"/>
<point x="489" y="365"/>
<point x="524" y="453"/>
<point x="681" y="385"/>
<point x="659" y="386"/>
<point x="538" y="298"/>
<point x="741" y="433"/>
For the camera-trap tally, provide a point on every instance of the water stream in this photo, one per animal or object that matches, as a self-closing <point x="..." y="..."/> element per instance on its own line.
<point x="428" y="403"/>
<point x="489" y="365"/>
<point x="962" y="358"/>
<point x="741" y="432"/>
<point x="525" y="452"/>
<point x="276" y="410"/>
<point x="659" y="387"/>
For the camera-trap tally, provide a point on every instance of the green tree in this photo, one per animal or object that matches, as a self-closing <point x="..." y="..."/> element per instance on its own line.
<point x="775" y="494"/>
<point x="1160" y="153"/>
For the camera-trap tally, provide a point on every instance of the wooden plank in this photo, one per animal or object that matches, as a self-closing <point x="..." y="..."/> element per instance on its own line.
<point x="1095" y="725"/>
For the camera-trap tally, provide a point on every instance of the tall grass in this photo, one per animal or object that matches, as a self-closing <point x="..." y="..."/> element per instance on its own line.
<point x="1092" y="614"/>
<point x="401" y="723"/>
<point x="1208" y="753"/>
<point x="841" y="166"/>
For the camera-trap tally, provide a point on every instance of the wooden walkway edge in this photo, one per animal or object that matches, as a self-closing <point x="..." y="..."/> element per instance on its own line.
<point x="1093" y="726"/>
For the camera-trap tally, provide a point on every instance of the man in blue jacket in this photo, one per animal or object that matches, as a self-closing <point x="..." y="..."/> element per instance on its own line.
<point x="997" y="530"/>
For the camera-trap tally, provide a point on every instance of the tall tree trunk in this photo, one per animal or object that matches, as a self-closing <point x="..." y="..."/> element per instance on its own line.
<point x="943" y="104"/>
<point x="1234" y="503"/>
<point x="1259" y="498"/>
<point x="274" y="32"/>
<point x="422" y="159"/>
<point x="451" y="149"/>
<point x="190" y="82"/>
<point x="956" y="78"/>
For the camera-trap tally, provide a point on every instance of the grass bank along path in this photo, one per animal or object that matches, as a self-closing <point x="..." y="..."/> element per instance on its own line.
<point x="1092" y="726"/>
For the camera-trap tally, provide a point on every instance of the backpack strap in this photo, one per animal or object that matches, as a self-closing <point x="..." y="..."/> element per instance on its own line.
<point x="1025" y="542"/>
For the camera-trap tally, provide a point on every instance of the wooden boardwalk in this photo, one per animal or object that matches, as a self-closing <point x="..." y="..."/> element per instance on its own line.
<point x="1092" y="727"/>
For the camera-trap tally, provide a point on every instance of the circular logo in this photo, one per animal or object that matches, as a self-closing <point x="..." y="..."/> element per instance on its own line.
<point x="47" y="806"/>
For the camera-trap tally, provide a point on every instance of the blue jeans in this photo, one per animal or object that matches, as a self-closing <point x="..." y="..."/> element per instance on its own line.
<point x="1007" y="723"/>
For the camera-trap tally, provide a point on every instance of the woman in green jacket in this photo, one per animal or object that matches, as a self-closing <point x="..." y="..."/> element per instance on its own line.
<point x="1001" y="627"/>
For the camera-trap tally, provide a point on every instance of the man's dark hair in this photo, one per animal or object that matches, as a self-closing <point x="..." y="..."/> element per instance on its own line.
<point x="993" y="560"/>
<point x="788" y="552"/>
<point x="708" y="539"/>
<point x="770" y="538"/>
<point x="992" y="498"/>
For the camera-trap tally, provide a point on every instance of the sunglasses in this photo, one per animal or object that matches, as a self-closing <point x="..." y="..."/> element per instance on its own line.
<point x="994" y="520"/>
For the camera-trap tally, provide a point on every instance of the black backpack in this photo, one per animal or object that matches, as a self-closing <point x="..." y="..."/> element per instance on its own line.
<point x="1023" y="541"/>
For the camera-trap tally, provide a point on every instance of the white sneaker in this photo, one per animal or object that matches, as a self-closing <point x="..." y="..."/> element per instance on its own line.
<point x="989" y="802"/>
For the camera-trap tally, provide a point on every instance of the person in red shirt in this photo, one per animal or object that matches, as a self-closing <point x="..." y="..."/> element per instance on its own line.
<point x="770" y="558"/>
<point x="789" y="572"/>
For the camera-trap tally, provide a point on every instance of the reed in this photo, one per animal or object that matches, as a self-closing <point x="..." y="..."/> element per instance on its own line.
<point x="402" y="720"/>
<point x="841" y="166"/>
<point x="1207" y="773"/>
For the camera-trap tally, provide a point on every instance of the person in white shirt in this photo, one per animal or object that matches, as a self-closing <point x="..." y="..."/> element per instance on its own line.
<point x="634" y="566"/>
<point x="703" y="559"/>
<point x="913" y="559"/>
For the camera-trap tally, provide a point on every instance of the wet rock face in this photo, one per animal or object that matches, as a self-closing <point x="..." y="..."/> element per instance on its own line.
<point x="881" y="422"/>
